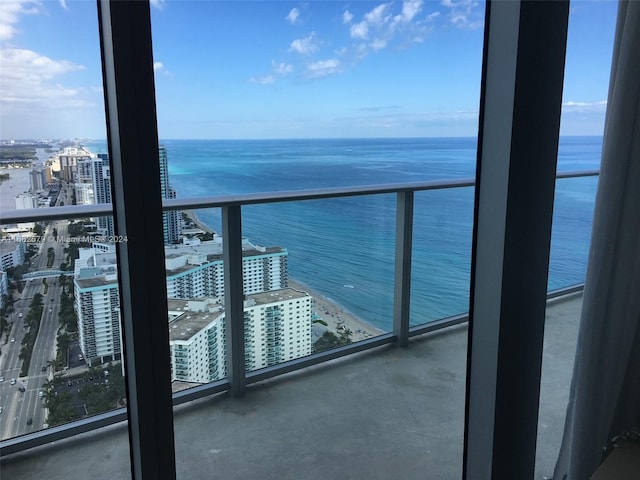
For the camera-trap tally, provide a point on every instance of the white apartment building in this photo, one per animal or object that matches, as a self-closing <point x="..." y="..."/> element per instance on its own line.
<point x="195" y="270"/>
<point x="84" y="193"/>
<point x="277" y="329"/>
<point x="97" y="305"/>
<point x="26" y="200"/>
<point x="11" y="254"/>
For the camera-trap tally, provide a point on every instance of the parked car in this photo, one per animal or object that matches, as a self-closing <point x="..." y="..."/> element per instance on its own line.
<point x="29" y="421"/>
<point x="13" y="381"/>
<point x="1" y="379"/>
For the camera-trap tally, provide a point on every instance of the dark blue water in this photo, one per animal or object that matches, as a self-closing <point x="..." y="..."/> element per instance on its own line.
<point x="344" y="247"/>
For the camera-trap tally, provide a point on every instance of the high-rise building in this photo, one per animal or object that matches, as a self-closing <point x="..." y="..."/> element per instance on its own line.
<point x="101" y="179"/>
<point x="277" y="328"/>
<point x="196" y="270"/>
<point x="68" y="161"/>
<point x="97" y="305"/>
<point x="170" y="220"/>
<point x="93" y="185"/>
<point x="193" y="271"/>
<point x="38" y="179"/>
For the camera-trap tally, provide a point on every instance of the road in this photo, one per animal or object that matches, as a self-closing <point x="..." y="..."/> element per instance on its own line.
<point x="18" y="407"/>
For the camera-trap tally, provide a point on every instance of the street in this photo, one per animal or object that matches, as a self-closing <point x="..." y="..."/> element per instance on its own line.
<point x="17" y="406"/>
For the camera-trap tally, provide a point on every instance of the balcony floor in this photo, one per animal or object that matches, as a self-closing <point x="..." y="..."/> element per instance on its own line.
<point x="386" y="413"/>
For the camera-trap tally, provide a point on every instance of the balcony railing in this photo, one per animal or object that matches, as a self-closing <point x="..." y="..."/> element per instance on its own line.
<point x="231" y="206"/>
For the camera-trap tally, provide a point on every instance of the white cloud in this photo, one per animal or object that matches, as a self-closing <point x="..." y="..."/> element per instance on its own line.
<point x="383" y="25"/>
<point x="304" y="46"/>
<point x="323" y="68"/>
<point x="10" y="13"/>
<point x="264" y="80"/>
<point x="27" y="78"/>
<point x="347" y="16"/>
<point x="378" y="44"/>
<point x="378" y="15"/>
<point x="159" y="68"/>
<point x="159" y="4"/>
<point x="293" y="16"/>
<point x="410" y="9"/>
<point x="464" y="13"/>
<point x="63" y="4"/>
<point x="278" y="70"/>
<point x="433" y="15"/>
<point x="281" y="68"/>
<point x="584" y="107"/>
<point x="360" y="30"/>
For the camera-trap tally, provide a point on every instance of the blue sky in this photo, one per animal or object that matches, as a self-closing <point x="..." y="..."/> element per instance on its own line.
<point x="240" y="69"/>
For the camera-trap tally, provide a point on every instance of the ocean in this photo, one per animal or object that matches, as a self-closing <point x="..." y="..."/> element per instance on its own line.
<point x="344" y="247"/>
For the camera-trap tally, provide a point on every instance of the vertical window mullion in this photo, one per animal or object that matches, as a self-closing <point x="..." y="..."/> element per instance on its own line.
<point x="127" y="64"/>
<point x="520" y="109"/>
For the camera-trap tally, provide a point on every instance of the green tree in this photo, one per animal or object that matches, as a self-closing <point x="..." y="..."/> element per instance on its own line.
<point x="330" y="340"/>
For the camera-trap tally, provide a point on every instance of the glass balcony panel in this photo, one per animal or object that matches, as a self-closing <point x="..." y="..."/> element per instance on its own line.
<point x="571" y="231"/>
<point x="441" y="261"/>
<point x="195" y="292"/>
<point x="317" y="274"/>
<point x="60" y="319"/>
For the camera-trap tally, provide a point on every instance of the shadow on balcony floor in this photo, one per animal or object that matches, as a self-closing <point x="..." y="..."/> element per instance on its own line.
<point x="386" y="413"/>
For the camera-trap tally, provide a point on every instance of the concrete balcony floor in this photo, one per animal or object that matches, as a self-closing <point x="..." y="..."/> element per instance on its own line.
<point x="382" y="414"/>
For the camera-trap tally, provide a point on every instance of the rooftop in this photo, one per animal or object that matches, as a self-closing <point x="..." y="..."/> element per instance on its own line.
<point x="276" y="296"/>
<point x="189" y="322"/>
<point x="384" y="413"/>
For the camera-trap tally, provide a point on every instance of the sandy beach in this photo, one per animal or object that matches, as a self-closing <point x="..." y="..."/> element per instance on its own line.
<point x="335" y="316"/>
<point x="202" y="226"/>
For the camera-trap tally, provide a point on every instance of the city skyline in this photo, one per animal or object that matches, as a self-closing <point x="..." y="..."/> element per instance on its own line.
<point x="286" y="69"/>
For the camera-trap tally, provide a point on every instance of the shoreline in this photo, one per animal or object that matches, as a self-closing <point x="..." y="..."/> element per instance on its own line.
<point x="201" y="225"/>
<point x="335" y="315"/>
<point x="324" y="308"/>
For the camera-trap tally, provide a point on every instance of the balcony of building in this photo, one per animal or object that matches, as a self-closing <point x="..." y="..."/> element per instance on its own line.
<point x="388" y="412"/>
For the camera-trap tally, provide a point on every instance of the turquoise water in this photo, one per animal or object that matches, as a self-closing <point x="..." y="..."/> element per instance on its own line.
<point x="344" y="247"/>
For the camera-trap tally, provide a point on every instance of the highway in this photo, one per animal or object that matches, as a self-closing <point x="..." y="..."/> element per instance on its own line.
<point x="18" y="407"/>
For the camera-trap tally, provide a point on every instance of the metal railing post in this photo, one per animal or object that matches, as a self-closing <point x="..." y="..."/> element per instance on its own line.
<point x="402" y="280"/>
<point x="234" y="298"/>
